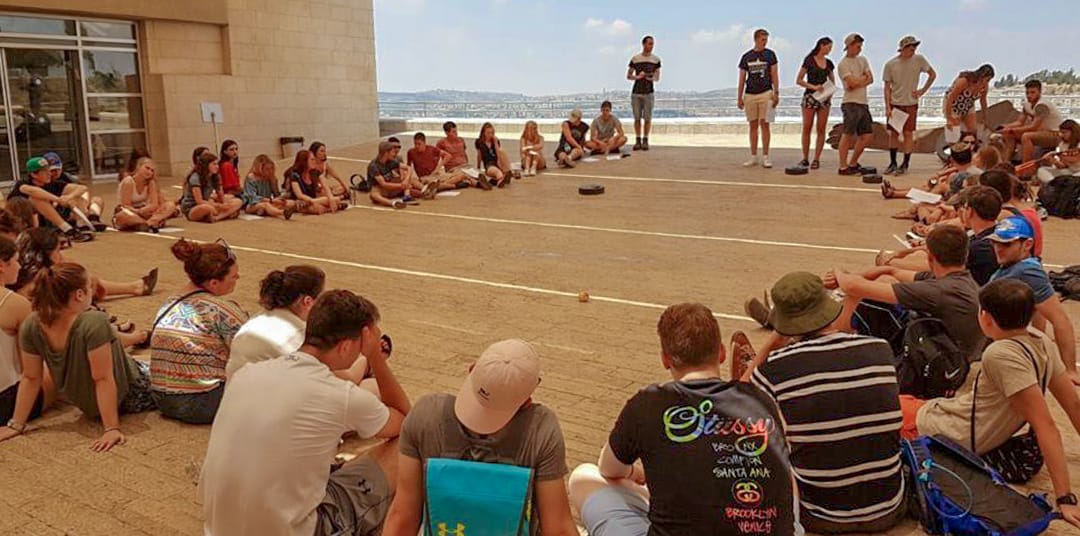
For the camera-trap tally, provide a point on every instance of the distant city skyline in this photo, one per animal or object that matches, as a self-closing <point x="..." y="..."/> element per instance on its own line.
<point x="555" y="47"/>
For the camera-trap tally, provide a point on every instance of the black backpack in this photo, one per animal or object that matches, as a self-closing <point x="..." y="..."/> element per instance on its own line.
<point x="1061" y="197"/>
<point x="930" y="365"/>
<point x="1067" y="282"/>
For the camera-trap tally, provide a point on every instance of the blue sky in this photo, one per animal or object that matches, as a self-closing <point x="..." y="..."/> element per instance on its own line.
<point x="544" y="47"/>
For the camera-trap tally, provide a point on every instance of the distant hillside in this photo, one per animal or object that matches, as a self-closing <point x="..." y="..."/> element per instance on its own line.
<point x="450" y="95"/>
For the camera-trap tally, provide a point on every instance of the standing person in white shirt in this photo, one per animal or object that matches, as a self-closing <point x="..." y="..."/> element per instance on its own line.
<point x="855" y="73"/>
<point x="902" y="92"/>
<point x="267" y="470"/>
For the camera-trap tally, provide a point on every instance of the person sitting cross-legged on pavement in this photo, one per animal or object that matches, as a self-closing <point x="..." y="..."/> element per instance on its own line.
<point x="429" y="163"/>
<point x="606" y="135"/>
<point x="838" y="394"/>
<point x="1009" y="391"/>
<point x="54" y="208"/>
<point x="712" y="452"/>
<point x="393" y="185"/>
<point x="571" y="145"/>
<point x="1013" y="240"/>
<point x="945" y="292"/>
<point x="492" y="419"/>
<point x="268" y="462"/>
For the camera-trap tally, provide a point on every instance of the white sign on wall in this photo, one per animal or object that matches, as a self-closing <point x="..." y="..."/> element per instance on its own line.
<point x="211" y="112"/>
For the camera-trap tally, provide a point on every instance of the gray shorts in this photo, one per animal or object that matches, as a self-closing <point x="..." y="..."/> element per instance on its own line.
<point x="615" y="511"/>
<point x="857" y="120"/>
<point x="641" y="104"/>
<point x="357" y="500"/>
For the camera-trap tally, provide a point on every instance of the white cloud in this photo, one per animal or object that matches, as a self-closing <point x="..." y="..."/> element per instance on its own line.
<point x="617" y="27"/>
<point x="731" y="34"/>
<point x="972" y="5"/>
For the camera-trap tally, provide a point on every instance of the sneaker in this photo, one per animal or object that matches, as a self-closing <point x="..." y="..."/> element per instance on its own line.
<point x="902" y="170"/>
<point x="1042" y="212"/>
<point x="397" y="203"/>
<point x="752" y="162"/>
<point x="645" y="144"/>
<point x="742" y="355"/>
<point x="637" y="146"/>
<point x="757" y="310"/>
<point x="149" y="282"/>
<point x="483" y="183"/>
<point x="409" y="200"/>
<point x="78" y="235"/>
<point x="765" y="163"/>
<point x="890" y="170"/>
<point x="804" y="163"/>
<point x="429" y="190"/>
<point x="850" y="170"/>
<point x="571" y="164"/>
<point x="289" y="212"/>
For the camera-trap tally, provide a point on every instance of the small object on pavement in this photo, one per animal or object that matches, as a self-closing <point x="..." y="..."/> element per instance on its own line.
<point x="591" y="189"/>
<point x="872" y="178"/>
<point x="583" y="296"/>
<point x="796" y="170"/>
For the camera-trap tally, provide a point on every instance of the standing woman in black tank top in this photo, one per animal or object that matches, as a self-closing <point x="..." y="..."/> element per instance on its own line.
<point x="815" y="71"/>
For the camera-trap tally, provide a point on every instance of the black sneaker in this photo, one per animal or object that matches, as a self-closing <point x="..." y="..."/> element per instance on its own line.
<point x="78" y="235"/>
<point x="637" y="146"/>
<point x="645" y="145"/>
<point x="804" y="163"/>
<point x="850" y="170"/>
<point x="902" y="170"/>
<point x="890" y="170"/>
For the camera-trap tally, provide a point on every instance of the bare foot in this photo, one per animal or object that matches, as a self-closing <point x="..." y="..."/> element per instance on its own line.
<point x="1074" y="376"/>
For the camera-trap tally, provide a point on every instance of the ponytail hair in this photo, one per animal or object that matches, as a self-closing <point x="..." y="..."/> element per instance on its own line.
<point x="53" y="288"/>
<point x="203" y="262"/>
<point x="281" y="288"/>
<point x="821" y="42"/>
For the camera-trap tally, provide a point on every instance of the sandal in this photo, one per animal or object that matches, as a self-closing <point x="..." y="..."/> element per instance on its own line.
<point x="883" y="257"/>
<point x="815" y="164"/>
<point x="887" y="189"/>
<point x="125" y="327"/>
<point x="906" y="214"/>
<point x="145" y="344"/>
<point x="742" y="355"/>
<point x="149" y="282"/>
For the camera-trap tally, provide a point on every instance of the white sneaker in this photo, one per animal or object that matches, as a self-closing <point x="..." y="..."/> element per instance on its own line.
<point x="765" y="163"/>
<point x="752" y="162"/>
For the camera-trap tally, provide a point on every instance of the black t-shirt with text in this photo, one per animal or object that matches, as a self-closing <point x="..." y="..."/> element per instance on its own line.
<point x="758" y="67"/>
<point x="715" y="458"/>
<point x="981" y="261"/>
<point x="578" y="131"/>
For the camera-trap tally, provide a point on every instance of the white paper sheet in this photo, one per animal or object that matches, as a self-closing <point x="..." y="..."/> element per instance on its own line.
<point x="590" y="159"/>
<point x="611" y="157"/>
<point x="249" y="217"/>
<point x="952" y="134"/>
<point x="828" y="89"/>
<point x="449" y="193"/>
<point x="471" y="172"/>
<point x="770" y="114"/>
<point x="899" y="117"/>
<point x="921" y="196"/>
<point x="170" y="230"/>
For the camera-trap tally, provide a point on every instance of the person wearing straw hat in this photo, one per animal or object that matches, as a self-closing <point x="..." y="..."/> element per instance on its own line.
<point x="492" y="419"/>
<point x="841" y="424"/>
<point x="902" y="92"/>
<point x="712" y="452"/>
<point x="571" y="145"/>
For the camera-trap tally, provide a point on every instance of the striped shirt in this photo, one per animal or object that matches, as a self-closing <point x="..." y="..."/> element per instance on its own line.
<point x="190" y="345"/>
<point x="838" y="395"/>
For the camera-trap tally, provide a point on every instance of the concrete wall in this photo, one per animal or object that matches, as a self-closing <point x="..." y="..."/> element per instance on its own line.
<point x="278" y="68"/>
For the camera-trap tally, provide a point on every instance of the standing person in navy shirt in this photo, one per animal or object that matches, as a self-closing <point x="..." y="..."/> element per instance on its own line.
<point x="644" y="71"/>
<point x="759" y="89"/>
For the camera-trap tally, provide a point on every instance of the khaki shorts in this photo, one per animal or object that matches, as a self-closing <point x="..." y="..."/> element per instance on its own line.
<point x="757" y="106"/>
<point x="357" y="499"/>
<point x="1045" y="139"/>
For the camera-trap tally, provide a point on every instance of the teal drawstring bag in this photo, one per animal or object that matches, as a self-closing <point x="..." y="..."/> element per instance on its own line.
<point x="465" y="498"/>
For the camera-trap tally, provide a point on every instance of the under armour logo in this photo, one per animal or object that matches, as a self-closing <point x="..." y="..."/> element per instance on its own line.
<point x="443" y="531"/>
<point x="364" y="487"/>
<point x="484" y="393"/>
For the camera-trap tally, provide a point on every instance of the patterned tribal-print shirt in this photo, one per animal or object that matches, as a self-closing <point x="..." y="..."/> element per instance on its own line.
<point x="190" y="346"/>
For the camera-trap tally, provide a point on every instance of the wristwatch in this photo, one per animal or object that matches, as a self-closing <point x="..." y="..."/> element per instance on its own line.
<point x="1068" y="498"/>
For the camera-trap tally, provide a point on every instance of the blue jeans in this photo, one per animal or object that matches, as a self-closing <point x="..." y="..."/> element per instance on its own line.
<point x="198" y="408"/>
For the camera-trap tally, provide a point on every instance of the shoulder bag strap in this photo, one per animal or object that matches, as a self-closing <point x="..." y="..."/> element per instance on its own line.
<point x="974" y="397"/>
<point x="1042" y="379"/>
<point x="172" y="306"/>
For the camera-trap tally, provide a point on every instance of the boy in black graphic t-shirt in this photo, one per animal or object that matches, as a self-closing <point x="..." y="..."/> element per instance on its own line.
<point x="712" y="453"/>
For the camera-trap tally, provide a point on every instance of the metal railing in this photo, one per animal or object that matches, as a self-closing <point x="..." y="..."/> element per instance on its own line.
<point x="665" y="107"/>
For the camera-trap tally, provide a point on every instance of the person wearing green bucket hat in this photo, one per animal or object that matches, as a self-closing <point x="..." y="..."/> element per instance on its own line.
<point x="839" y="396"/>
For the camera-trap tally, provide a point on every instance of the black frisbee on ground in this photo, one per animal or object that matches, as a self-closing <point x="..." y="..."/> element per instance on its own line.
<point x="872" y="178"/>
<point x="796" y="170"/>
<point x="868" y="170"/>
<point x="590" y="189"/>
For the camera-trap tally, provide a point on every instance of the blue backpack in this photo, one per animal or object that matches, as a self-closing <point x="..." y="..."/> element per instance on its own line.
<point x="954" y="492"/>
<point x="466" y="498"/>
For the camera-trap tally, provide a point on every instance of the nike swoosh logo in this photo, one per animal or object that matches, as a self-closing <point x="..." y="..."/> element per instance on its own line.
<point x="954" y="374"/>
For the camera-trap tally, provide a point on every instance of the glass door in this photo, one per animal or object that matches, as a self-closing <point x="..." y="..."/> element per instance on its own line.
<point x="45" y="105"/>
<point x="7" y="163"/>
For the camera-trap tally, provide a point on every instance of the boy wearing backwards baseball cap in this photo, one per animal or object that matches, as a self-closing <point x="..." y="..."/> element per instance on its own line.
<point x="1013" y="240"/>
<point x="492" y="419"/>
<point x="54" y="207"/>
<point x="712" y="452"/>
